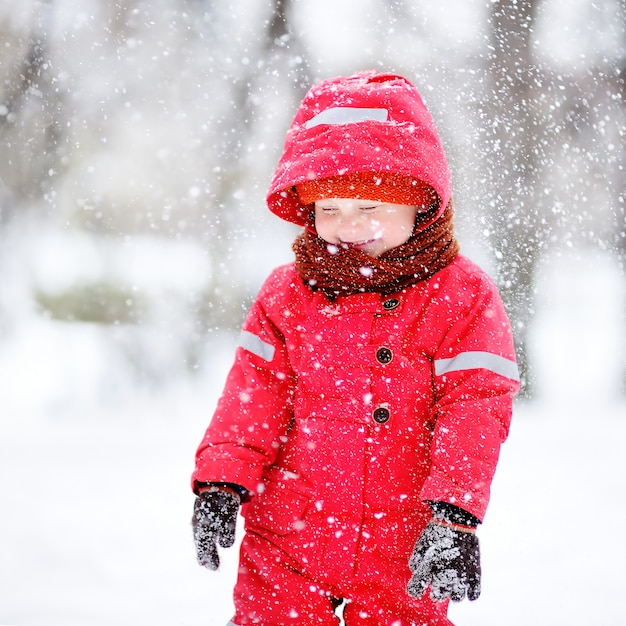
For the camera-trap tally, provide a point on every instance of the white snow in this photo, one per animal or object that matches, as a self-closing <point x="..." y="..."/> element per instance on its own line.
<point x="94" y="524"/>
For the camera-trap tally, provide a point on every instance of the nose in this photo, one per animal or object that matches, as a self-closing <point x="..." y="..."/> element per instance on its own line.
<point x="351" y="227"/>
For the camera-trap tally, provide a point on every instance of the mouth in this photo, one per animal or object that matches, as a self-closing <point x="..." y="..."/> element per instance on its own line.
<point x="358" y="244"/>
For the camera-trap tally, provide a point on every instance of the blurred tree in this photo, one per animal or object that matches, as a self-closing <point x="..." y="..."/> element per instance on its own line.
<point x="550" y="157"/>
<point x="620" y="205"/>
<point x="620" y="211"/>
<point x="31" y="113"/>
<point x="517" y="143"/>
<point x="260" y="93"/>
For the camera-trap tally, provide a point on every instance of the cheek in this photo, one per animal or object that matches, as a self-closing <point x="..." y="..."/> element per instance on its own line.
<point x="401" y="230"/>
<point x="324" y="229"/>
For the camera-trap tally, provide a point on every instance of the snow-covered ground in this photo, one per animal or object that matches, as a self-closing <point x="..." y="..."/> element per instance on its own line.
<point x="95" y="505"/>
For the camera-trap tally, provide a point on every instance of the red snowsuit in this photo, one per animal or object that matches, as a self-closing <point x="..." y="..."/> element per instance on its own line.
<point x="343" y="418"/>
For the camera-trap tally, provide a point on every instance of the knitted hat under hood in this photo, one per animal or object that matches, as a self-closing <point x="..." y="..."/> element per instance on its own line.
<point x="368" y="122"/>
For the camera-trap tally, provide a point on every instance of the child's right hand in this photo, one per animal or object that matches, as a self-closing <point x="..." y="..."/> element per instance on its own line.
<point x="214" y="521"/>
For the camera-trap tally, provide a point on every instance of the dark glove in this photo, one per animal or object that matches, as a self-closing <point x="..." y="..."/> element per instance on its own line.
<point x="214" y="520"/>
<point x="446" y="557"/>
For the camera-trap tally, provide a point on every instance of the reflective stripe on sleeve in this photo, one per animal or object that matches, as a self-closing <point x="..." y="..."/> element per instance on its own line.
<point x="347" y="115"/>
<point x="250" y="342"/>
<point x="478" y="360"/>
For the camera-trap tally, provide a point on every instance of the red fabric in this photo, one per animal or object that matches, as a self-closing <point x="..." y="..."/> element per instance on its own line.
<point x="270" y="591"/>
<point x="333" y="488"/>
<point x="407" y="143"/>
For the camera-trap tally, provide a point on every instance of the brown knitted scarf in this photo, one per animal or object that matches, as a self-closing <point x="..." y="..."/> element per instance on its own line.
<point x="340" y="271"/>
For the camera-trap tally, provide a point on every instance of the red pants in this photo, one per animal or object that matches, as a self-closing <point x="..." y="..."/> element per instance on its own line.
<point x="270" y="591"/>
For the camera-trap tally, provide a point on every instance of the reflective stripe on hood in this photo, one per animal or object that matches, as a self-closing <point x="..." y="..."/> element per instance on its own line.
<point x="347" y="115"/>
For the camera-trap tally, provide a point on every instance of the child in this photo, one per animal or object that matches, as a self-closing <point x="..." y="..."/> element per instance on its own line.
<point x="361" y="423"/>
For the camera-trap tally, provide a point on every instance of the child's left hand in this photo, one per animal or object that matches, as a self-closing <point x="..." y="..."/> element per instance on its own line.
<point x="448" y="559"/>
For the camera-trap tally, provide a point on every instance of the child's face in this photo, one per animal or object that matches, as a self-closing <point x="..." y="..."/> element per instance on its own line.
<point x="373" y="227"/>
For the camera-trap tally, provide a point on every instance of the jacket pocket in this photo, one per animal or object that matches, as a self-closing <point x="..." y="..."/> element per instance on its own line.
<point x="279" y="509"/>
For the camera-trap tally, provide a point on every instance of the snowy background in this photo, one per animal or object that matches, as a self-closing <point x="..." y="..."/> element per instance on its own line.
<point x="137" y="141"/>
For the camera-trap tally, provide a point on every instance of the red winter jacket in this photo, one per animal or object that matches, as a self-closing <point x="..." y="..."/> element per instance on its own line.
<point x="343" y="418"/>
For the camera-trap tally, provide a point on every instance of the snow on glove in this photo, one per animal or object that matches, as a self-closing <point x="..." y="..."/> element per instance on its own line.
<point x="446" y="557"/>
<point x="214" y="521"/>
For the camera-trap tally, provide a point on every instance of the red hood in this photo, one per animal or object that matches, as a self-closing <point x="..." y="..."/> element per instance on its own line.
<point x="365" y="122"/>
